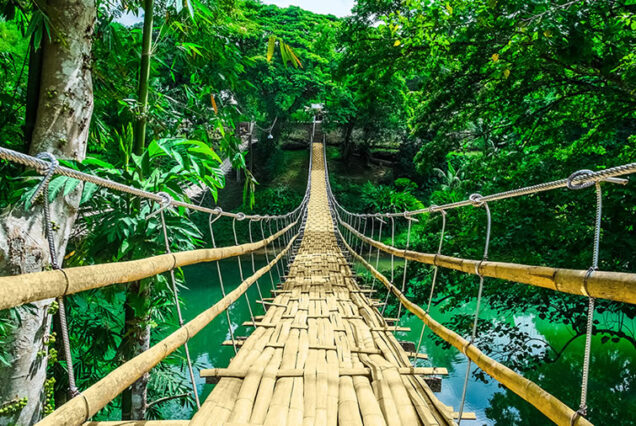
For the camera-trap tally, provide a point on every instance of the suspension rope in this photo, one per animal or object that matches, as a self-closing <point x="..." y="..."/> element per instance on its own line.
<point x="258" y="286"/>
<point x="175" y="292"/>
<point x="477" y="200"/>
<point x="41" y="165"/>
<point x="372" y="233"/>
<point x="435" y="270"/>
<point x="406" y="263"/>
<point x="582" y="410"/>
<point x="271" y="277"/>
<point x="388" y="293"/>
<point x="238" y="258"/>
<point x="43" y="190"/>
<point x="583" y="179"/>
<point x="364" y="232"/>
<point x="211" y="221"/>
<point x="377" y="254"/>
<point x="269" y="225"/>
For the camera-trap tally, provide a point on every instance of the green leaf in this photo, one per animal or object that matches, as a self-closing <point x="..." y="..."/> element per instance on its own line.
<point x="271" y="44"/>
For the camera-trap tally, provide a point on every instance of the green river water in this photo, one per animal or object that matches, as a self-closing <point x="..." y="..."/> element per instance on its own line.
<point x="612" y="397"/>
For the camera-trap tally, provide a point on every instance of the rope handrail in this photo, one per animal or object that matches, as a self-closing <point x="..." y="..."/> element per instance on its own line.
<point x="43" y="166"/>
<point x="17" y="290"/>
<point x="79" y="409"/>
<point x="576" y="180"/>
<point x="617" y="286"/>
<point x="545" y="402"/>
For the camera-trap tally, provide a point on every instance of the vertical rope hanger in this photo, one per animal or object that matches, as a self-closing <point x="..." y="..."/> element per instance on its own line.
<point x="218" y="269"/>
<point x="582" y="410"/>
<point x="274" y="245"/>
<point x="43" y="190"/>
<point x="364" y="232"/>
<point x="372" y="233"/>
<point x="477" y="202"/>
<point x="410" y="220"/>
<point x="271" y="276"/>
<point x="258" y="286"/>
<point x="435" y="270"/>
<point x="377" y="254"/>
<point x="388" y="293"/>
<point x="175" y="292"/>
<point x="238" y="258"/>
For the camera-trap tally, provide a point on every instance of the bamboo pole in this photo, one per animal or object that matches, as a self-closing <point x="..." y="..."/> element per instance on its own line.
<point x="86" y="404"/>
<point x="617" y="286"/>
<point x="17" y="290"/>
<point x="549" y="405"/>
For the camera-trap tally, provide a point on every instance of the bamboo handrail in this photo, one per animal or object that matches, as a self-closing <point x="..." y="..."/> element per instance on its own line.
<point x="617" y="286"/>
<point x="17" y="290"/>
<point x="80" y="408"/>
<point x="545" y="402"/>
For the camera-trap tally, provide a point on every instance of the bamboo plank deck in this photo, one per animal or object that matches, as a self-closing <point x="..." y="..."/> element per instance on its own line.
<point x="322" y="354"/>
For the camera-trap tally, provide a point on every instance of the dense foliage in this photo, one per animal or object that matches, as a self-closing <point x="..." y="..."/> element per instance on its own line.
<point x="450" y="98"/>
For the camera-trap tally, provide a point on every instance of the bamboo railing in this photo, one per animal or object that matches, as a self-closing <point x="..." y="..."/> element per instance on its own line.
<point x="79" y="409"/>
<point x="617" y="286"/>
<point x="549" y="405"/>
<point x="17" y="290"/>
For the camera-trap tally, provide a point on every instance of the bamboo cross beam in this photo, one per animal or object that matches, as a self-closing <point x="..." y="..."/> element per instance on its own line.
<point x="217" y="373"/>
<point x="390" y="328"/>
<point x="549" y="405"/>
<point x="80" y="408"/>
<point x="238" y="342"/>
<point x="278" y="305"/>
<point x="266" y="324"/>
<point x="17" y="290"/>
<point x="618" y="286"/>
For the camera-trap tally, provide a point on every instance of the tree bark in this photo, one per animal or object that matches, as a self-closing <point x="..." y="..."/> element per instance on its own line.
<point x="63" y="115"/>
<point x="134" y="400"/>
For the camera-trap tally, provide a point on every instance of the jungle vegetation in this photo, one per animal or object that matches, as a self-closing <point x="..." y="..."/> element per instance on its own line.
<point x="449" y="97"/>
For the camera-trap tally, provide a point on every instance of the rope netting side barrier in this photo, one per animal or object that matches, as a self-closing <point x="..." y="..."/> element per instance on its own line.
<point x="90" y="401"/>
<point x="59" y="282"/>
<point x="592" y="283"/>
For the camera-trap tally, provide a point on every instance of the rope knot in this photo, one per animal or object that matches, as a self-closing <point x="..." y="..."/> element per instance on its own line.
<point x="577" y="176"/>
<point x="581" y="412"/>
<point x="240" y="216"/>
<point x="476" y="199"/>
<point x="166" y="201"/>
<point x="48" y="174"/>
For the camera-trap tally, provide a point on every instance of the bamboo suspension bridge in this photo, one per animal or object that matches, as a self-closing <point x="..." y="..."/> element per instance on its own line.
<point x="323" y="353"/>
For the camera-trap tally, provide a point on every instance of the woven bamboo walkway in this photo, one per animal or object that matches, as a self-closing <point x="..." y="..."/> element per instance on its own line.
<point x="322" y="354"/>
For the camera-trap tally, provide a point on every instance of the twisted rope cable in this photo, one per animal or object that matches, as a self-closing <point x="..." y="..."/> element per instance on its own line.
<point x="582" y="410"/>
<point x="211" y="221"/>
<point x="43" y="190"/>
<point x="435" y="272"/>
<point x="175" y="292"/>
<point x="42" y="166"/>
<point x="238" y="259"/>
<point x="477" y="200"/>
<point x="580" y="178"/>
<point x="406" y="263"/>
<point x="258" y="286"/>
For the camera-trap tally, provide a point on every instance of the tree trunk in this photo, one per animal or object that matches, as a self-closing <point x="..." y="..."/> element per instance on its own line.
<point x="346" y="143"/>
<point x="137" y="304"/>
<point x="144" y="76"/>
<point x="63" y="116"/>
<point x="136" y="340"/>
